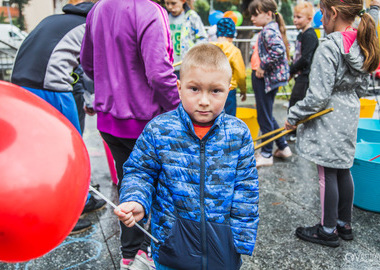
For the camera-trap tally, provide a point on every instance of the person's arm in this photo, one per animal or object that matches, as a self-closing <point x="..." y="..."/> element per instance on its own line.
<point x="140" y="172"/>
<point x="238" y="67"/>
<point x="321" y="85"/>
<point x="274" y="48"/>
<point x="198" y="28"/>
<point x="309" y="43"/>
<point x="157" y="54"/>
<point x="87" y="50"/>
<point x="245" y="211"/>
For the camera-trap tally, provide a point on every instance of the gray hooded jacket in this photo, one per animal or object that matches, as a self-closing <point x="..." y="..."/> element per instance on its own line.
<point x="337" y="80"/>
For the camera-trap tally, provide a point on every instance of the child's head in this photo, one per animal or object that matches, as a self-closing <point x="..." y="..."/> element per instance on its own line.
<point x="303" y="15"/>
<point x="263" y="12"/>
<point x="345" y="12"/>
<point x="225" y="28"/>
<point x="205" y="80"/>
<point x="175" y="7"/>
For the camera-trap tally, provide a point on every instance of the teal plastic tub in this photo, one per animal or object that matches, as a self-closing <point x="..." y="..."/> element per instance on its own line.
<point x="369" y="130"/>
<point x="366" y="175"/>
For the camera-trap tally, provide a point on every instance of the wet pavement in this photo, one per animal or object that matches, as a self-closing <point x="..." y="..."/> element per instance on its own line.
<point x="289" y="197"/>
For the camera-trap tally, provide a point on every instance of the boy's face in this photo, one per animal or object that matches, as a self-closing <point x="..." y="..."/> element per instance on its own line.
<point x="203" y="93"/>
<point x="301" y="21"/>
<point x="175" y="7"/>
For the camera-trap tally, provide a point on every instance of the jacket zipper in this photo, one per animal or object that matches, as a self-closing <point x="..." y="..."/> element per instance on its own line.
<point x="203" y="217"/>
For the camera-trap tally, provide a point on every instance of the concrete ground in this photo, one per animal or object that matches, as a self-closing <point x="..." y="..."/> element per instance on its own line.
<point x="289" y="197"/>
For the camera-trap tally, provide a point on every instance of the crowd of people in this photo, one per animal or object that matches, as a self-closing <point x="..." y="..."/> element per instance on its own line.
<point x="186" y="165"/>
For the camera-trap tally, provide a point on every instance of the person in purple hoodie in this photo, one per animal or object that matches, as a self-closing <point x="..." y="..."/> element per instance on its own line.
<point x="128" y="53"/>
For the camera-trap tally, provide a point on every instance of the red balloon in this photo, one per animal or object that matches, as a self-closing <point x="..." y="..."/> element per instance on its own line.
<point x="44" y="175"/>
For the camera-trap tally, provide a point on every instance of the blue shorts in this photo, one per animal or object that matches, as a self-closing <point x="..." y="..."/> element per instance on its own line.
<point x="62" y="101"/>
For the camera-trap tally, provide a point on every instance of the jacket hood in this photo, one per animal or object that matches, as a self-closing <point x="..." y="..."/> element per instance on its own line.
<point x="354" y="58"/>
<point x="81" y="9"/>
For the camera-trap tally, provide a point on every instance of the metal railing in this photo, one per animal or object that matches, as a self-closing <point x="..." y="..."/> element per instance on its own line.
<point x="245" y="46"/>
<point x="7" y="57"/>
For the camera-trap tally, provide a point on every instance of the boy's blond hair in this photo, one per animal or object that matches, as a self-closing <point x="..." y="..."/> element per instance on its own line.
<point x="305" y="8"/>
<point x="208" y="56"/>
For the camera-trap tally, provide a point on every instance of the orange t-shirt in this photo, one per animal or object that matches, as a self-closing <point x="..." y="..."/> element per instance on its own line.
<point x="201" y="131"/>
<point x="255" y="59"/>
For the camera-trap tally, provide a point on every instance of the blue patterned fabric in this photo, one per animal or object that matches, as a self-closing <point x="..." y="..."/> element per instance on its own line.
<point x="202" y="194"/>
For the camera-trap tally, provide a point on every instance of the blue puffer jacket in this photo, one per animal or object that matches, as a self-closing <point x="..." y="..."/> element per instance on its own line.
<point x="203" y="194"/>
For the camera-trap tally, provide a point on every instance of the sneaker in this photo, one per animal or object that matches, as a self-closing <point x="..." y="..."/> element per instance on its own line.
<point x="81" y="226"/>
<point x="93" y="205"/>
<point x="142" y="262"/>
<point x="126" y="264"/>
<point x="263" y="161"/>
<point x="317" y="235"/>
<point x="345" y="232"/>
<point x="285" y="153"/>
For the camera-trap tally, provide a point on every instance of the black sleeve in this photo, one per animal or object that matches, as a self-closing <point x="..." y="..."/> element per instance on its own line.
<point x="309" y="43"/>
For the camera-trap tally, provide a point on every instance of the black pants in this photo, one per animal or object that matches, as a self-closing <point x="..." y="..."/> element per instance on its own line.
<point x="132" y="239"/>
<point x="337" y="194"/>
<point x="299" y="90"/>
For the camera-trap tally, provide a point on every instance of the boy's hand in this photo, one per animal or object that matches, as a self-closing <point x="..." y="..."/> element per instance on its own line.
<point x="289" y="126"/>
<point x="130" y="213"/>
<point x="244" y="95"/>
<point x="260" y="73"/>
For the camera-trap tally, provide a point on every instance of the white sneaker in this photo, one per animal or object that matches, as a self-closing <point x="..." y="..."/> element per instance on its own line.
<point x="124" y="266"/>
<point x="285" y="153"/>
<point x="263" y="161"/>
<point x="142" y="262"/>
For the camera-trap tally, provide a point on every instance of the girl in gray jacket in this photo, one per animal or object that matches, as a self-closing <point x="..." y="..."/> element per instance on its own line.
<point x="338" y="77"/>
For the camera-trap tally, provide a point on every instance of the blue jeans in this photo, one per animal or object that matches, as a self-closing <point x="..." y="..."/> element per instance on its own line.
<point x="264" y="106"/>
<point x="230" y="106"/>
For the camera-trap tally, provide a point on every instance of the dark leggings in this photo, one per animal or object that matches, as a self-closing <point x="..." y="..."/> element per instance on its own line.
<point x="265" y="118"/>
<point x="132" y="239"/>
<point x="337" y="193"/>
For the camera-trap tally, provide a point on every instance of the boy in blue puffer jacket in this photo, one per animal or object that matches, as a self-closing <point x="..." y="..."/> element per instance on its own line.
<point x="193" y="169"/>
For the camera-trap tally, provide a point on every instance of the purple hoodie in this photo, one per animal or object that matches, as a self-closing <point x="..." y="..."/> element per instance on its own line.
<point x="128" y="52"/>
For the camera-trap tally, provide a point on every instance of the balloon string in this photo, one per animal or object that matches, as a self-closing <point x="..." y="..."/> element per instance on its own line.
<point x="118" y="209"/>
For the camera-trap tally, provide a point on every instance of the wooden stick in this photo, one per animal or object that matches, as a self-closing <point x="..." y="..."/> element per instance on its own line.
<point x="273" y="138"/>
<point x="300" y="122"/>
<point x="177" y="64"/>
<point x="290" y="130"/>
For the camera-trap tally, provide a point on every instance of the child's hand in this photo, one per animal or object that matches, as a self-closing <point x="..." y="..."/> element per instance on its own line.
<point x="129" y="213"/>
<point x="259" y="73"/>
<point x="289" y="126"/>
<point x="243" y="96"/>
